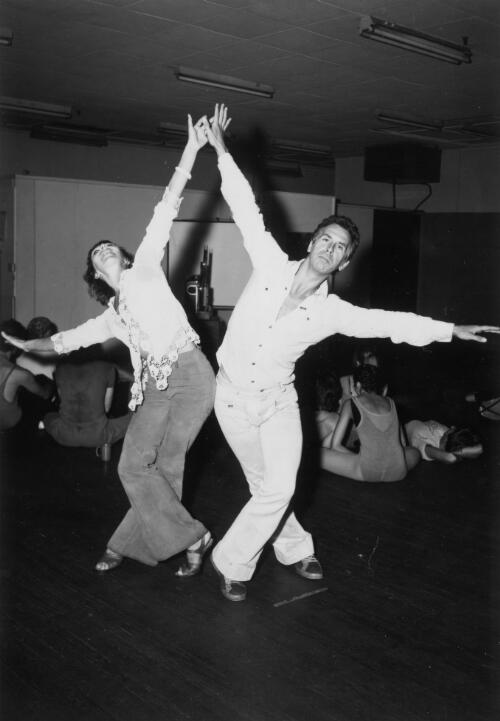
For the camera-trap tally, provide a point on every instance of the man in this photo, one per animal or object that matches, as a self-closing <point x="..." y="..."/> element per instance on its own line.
<point x="284" y="309"/>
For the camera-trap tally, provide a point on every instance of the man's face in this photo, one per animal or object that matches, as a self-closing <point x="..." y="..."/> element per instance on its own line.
<point x="329" y="250"/>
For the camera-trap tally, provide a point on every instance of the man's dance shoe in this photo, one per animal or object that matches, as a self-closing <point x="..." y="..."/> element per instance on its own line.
<point x="309" y="568"/>
<point x="195" y="555"/>
<point x="232" y="590"/>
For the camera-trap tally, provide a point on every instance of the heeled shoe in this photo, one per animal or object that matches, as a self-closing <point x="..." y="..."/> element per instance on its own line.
<point x="109" y="560"/>
<point x="194" y="557"/>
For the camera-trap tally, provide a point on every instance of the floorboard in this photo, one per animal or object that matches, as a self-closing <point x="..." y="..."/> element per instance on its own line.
<point x="404" y="626"/>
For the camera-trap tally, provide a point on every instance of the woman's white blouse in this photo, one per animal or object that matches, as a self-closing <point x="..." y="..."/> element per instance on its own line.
<point x="150" y="320"/>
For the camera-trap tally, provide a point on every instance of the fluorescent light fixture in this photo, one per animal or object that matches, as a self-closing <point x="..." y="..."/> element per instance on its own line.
<point x="306" y="148"/>
<point x="290" y="170"/>
<point x="384" y="31"/>
<point x="33" y="107"/>
<point x="409" y="122"/>
<point x="179" y="131"/>
<point x="224" y="82"/>
<point x="6" y="36"/>
<point x="135" y="138"/>
<point x="79" y="134"/>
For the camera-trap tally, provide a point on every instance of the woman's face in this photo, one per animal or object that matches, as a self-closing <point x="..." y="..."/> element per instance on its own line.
<point x="105" y="257"/>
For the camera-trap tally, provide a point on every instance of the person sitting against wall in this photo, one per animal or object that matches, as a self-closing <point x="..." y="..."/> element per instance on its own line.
<point x="437" y="442"/>
<point x="328" y="394"/>
<point x="15" y="380"/>
<point x="85" y="387"/>
<point x="382" y="455"/>
<point x="39" y="327"/>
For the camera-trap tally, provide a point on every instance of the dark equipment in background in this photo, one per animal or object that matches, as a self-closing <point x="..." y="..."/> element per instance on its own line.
<point x="403" y="163"/>
<point x="198" y="291"/>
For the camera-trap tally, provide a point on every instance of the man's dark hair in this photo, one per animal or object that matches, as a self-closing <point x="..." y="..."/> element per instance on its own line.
<point x="97" y="287"/>
<point x="370" y="377"/>
<point x="40" y="327"/>
<point x="343" y="222"/>
<point x="461" y="438"/>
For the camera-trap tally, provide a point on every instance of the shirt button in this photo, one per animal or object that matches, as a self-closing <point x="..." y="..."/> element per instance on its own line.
<point x="269" y="326"/>
<point x="253" y="364"/>
<point x="266" y="288"/>
<point x="252" y="381"/>
<point x="260" y="345"/>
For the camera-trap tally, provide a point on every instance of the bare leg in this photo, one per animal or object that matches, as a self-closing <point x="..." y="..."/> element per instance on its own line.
<point x="342" y="463"/>
<point x="412" y="457"/>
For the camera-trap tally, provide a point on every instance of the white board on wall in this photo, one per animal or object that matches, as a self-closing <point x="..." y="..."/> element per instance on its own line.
<point x="231" y="265"/>
<point x="69" y="216"/>
<point x="58" y="220"/>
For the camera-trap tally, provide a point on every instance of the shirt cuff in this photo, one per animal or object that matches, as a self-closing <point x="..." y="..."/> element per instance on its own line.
<point x="57" y="340"/>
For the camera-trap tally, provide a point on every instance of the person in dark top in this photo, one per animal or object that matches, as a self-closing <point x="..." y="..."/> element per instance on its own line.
<point x="15" y="380"/>
<point x="382" y="455"/>
<point x="85" y="387"/>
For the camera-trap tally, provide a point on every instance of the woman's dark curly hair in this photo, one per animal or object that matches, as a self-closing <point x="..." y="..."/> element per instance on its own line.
<point x="461" y="438"/>
<point x="344" y="222"/>
<point x="371" y="378"/>
<point x="97" y="287"/>
<point x="328" y="392"/>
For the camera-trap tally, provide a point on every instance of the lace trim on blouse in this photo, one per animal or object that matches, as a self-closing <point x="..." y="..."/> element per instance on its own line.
<point x="157" y="368"/>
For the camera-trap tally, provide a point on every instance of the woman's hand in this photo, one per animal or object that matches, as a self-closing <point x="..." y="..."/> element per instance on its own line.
<point x="197" y="137"/>
<point x="36" y="345"/>
<point x="17" y="342"/>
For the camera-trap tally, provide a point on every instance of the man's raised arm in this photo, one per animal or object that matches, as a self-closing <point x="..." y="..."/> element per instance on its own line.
<point x="259" y="243"/>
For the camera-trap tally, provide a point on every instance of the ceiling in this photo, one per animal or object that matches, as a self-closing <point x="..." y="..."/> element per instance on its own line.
<point x="114" y="62"/>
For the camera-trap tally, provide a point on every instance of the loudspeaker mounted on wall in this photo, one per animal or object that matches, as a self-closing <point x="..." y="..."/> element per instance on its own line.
<point x="403" y="163"/>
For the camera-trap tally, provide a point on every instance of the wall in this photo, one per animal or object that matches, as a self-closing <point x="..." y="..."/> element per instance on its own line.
<point x="470" y="183"/>
<point x="58" y="220"/>
<point x="124" y="163"/>
<point x="6" y="250"/>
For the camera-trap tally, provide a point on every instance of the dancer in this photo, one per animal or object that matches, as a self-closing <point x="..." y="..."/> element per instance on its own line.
<point x="284" y="308"/>
<point x="173" y="387"/>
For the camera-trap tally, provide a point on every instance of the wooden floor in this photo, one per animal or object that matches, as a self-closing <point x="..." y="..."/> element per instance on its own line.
<point x="404" y="627"/>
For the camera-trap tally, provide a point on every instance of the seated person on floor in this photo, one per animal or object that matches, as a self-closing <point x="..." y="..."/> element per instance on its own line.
<point x="15" y="380"/>
<point x="382" y="455"/>
<point x="437" y="442"/>
<point x="328" y="392"/>
<point x="39" y="327"/>
<point x="365" y="354"/>
<point x="85" y="387"/>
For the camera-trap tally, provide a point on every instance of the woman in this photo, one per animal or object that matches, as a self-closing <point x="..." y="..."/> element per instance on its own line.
<point x="173" y="389"/>
<point x="381" y="456"/>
